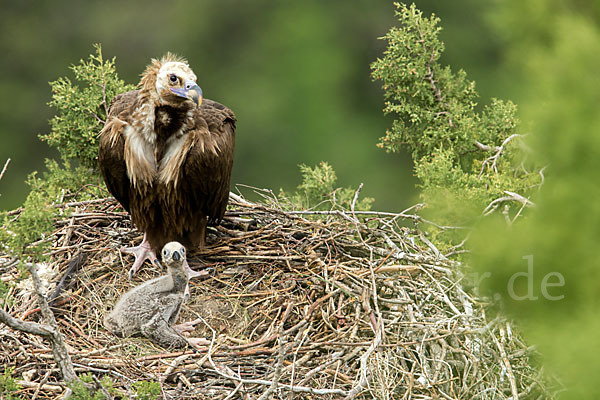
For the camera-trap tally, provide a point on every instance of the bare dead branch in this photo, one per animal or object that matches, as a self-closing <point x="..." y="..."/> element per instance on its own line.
<point x="511" y="196"/>
<point x="61" y="355"/>
<point x="492" y="161"/>
<point x="24" y="326"/>
<point x="4" y="168"/>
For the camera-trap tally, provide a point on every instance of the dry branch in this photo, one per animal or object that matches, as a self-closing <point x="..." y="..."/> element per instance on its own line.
<point x="4" y="168"/>
<point x="48" y="330"/>
<point x="491" y="161"/>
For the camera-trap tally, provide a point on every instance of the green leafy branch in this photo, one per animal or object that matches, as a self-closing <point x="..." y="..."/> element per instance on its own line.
<point x="81" y="110"/>
<point x="466" y="157"/>
<point x="318" y="191"/>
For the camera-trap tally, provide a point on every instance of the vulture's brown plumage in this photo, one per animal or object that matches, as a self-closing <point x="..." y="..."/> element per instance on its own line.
<point x="166" y="155"/>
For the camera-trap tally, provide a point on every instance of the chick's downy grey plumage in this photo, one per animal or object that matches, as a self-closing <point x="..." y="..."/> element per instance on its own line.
<point x="152" y="308"/>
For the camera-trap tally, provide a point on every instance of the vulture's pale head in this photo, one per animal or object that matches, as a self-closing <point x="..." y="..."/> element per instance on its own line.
<point x="171" y="81"/>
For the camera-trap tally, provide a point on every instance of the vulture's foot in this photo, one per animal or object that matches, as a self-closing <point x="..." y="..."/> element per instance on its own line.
<point x="141" y="253"/>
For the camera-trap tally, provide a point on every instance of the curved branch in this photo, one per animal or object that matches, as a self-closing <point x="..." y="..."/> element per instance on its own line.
<point x="498" y="151"/>
<point x="49" y="330"/>
<point x="24" y="326"/>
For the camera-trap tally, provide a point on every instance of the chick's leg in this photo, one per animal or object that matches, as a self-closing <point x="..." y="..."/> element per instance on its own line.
<point x="186" y="327"/>
<point x="191" y="274"/>
<point x="159" y="332"/>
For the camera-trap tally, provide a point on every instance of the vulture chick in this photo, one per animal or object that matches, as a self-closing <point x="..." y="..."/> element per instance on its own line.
<point x="166" y="155"/>
<point x="152" y="308"/>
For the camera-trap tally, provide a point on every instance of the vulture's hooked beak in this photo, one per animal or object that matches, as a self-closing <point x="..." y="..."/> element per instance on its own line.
<point x="190" y="91"/>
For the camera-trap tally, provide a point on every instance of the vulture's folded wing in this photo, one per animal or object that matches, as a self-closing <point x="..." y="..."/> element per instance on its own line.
<point x="111" y="158"/>
<point x="207" y="169"/>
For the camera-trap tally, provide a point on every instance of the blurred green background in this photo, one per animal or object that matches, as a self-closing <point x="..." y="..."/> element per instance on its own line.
<point x="295" y="73"/>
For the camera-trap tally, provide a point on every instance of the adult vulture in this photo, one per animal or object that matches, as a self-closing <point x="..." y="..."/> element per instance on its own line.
<point x="166" y="155"/>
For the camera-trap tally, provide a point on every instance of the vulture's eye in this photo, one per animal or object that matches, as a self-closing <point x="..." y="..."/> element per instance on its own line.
<point x="182" y="250"/>
<point x="165" y="253"/>
<point x="173" y="78"/>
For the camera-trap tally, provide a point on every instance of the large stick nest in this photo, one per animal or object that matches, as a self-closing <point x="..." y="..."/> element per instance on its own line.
<point x="299" y="305"/>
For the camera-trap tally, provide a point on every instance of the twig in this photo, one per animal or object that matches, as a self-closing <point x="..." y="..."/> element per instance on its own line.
<point x="364" y="367"/>
<point x="4" y="169"/>
<point x="234" y="391"/>
<point x="511" y="196"/>
<point x="23" y="326"/>
<point x="355" y="198"/>
<point x="174" y="364"/>
<point x="45" y="387"/>
<point x="98" y="119"/>
<point x="41" y="384"/>
<point x="491" y="161"/>
<point x="360" y="310"/>
<point x="49" y="331"/>
<point x="67" y="277"/>
<point x="61" y="355"/>
<point x="103" y="84"/>
<point x="298" y="389"/>
<point x="431" y="79"/>
<point x="101" y="388"/>
<point x="507" y="366"/>
<point x="541" y="173"/>
<point x="280" y="357"/>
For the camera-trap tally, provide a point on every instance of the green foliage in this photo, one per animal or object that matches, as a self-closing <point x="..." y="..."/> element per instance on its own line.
<point x="557" y="61"/>
<point x="82" y="110"/>
<point x="25" y="235"/>
<point x="453" y="144"/>
<point x="8" y="385"/>
<point x="432" y="104"/>
<point x="81" y="390"/>
<point x="3" y="292"/>
<point x="319" y="192"/>
<point x="87" y="389"/>
<point x="147" y="390"/>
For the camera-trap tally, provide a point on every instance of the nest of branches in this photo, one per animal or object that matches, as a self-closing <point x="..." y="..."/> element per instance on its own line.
<point x="300" y="304"/>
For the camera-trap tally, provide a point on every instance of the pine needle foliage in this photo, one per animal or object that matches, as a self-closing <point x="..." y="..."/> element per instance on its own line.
<point x="81" y="111"/>
<point x="8" y="385"/>
<point x="318" y="191"/>
<point x="24" y="234"/>
<point x="81" y="389"/>
<point x="465" y="156"/>
<point x="81" y="108"/>
<point x="147" y="390"/>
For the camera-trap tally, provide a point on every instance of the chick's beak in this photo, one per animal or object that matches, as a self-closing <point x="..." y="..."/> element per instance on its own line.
<point x="176" y="256"/>
<point x="190" y="91"/>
